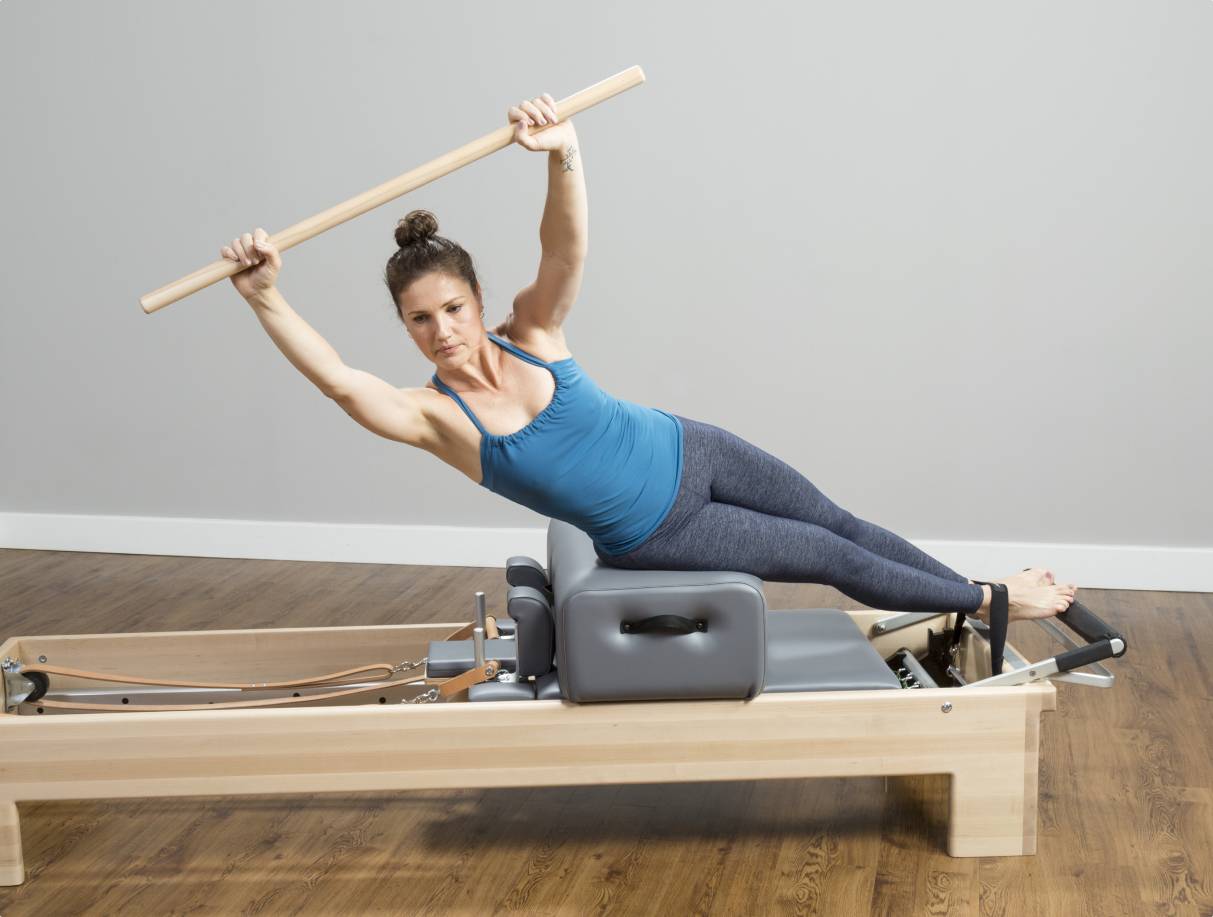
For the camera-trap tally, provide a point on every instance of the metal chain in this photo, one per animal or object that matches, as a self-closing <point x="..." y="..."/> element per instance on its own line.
<point x="406" y="665"/>
<point x="428" y="696"/>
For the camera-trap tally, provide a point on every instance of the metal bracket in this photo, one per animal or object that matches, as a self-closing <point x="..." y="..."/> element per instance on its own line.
<point x="1046" y="668"/>
<point x="1099" y="677"/>
<point x="16" y="686"/>
<point x="903" y="619"/>
<point x="1023" y="672"/>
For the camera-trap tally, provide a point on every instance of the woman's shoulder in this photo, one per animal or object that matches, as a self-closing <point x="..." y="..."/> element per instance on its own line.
<point x="548" y="345"/>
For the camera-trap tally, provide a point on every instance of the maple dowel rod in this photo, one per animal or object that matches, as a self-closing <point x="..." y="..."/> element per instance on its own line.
<point x="390" y="190"/>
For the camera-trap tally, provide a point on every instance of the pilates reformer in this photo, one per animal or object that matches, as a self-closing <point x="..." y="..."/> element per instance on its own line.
<point x="595" y="675"/>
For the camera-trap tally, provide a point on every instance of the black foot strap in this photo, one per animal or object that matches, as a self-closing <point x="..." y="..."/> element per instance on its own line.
<point x="1000" y="611"/>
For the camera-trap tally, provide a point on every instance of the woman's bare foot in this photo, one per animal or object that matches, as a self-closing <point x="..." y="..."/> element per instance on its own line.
<point x="1042" y="601"/>
<point x="1033" y="576"/>
<point x="1030" y="596"/>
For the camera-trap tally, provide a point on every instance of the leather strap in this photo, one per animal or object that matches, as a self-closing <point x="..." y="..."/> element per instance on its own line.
<point x="999" y="621"/>
<point x="446" y="689"/>
<point x="225" y="705"/>
<point x="87" y="674"/>
<point x="471" y="677"/>
<point x="175" y="683"/>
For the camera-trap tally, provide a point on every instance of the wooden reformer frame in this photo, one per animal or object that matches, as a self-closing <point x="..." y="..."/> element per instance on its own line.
<point x="986" y="738"/>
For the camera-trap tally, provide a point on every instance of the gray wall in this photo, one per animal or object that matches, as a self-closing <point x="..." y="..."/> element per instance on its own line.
<point x="949" y="259"/>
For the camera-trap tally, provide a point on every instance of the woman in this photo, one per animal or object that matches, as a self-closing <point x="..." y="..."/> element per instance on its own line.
<point x="513" y="411"/>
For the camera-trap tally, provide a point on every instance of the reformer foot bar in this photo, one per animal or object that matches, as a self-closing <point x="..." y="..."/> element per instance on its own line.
<point x="597" y="676"/>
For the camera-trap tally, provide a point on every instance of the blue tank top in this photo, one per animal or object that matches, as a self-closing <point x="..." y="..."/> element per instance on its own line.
<point x="610" y="467"/>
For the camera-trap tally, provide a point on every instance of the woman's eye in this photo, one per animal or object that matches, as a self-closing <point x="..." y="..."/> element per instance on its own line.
<point x="422" y="318"/>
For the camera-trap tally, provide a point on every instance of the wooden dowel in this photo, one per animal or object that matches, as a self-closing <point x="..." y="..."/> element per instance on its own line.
<point x="390" y="190"/>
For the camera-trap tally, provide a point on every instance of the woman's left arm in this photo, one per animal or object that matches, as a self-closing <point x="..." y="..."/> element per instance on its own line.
<point x="564" y="229"/>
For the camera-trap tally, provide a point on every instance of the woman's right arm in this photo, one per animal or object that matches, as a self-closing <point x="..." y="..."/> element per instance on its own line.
<point x="311" y="354"/>
<point x="390" y="412"/>
<point x="383" y="409"/>
<point x="380" y="407"/>
<point x="299" y="342"/>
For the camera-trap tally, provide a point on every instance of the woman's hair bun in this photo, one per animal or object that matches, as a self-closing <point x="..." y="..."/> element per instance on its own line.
<point x="419" y="226"/>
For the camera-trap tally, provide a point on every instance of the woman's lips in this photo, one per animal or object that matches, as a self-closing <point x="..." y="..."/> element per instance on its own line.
<point x="450" y="349"/>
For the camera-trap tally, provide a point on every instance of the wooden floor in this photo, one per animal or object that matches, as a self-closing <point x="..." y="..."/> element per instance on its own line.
<point x="1126" y="788"/>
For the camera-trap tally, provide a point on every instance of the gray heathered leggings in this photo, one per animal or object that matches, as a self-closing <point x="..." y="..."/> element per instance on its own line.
<point x="740" y="508"/>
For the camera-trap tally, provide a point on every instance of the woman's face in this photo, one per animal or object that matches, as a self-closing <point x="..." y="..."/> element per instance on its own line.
<point x="440" y="311"/>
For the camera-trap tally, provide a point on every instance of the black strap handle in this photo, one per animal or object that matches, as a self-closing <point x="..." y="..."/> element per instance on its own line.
<point x="664" y="624"/>
<point x="999" y="620"/>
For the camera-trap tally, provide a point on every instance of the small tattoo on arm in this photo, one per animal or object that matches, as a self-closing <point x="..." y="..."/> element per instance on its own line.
<point x="567" y="163"/>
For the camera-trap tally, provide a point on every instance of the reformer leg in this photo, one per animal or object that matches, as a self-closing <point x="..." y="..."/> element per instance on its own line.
<point x="992" y="806"/>
<point x="12" y="866"/>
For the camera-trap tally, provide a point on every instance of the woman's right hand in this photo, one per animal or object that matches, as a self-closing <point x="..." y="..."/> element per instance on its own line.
<point x="261" y="261"/>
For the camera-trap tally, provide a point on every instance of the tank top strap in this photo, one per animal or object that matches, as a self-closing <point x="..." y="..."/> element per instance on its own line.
<point x="446" y="389"/>
<point x="516" y="351"/>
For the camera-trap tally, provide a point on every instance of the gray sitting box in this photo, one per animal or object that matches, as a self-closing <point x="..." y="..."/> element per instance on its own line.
<point x="685" y="634"/>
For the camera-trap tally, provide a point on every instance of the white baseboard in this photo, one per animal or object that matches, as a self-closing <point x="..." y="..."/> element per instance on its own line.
<point x="1095" y="566"/>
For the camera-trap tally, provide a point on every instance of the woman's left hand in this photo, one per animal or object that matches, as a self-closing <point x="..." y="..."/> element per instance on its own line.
<point x="540" y="112"/>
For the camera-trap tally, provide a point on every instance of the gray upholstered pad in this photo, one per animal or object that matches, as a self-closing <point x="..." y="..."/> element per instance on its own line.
<point x="574" y="567"/>
<point x="502" y="690"/>
<point x="448" y="658"/>
<point x="603" y="652"/>
<point x="821" y="649"/>
<point x="547" y="687"/>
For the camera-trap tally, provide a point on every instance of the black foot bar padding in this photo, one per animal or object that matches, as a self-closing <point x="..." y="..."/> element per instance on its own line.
<point x="1080" y="619"/>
